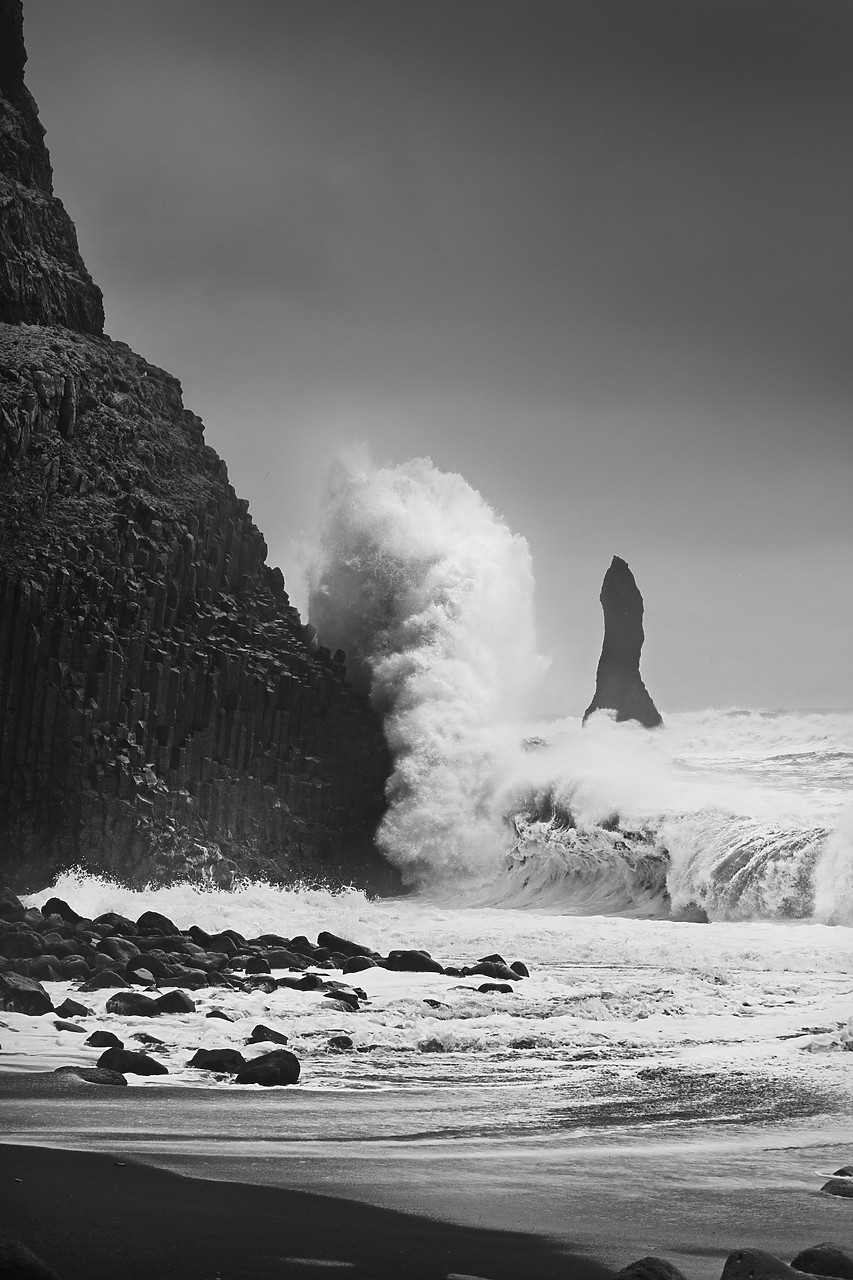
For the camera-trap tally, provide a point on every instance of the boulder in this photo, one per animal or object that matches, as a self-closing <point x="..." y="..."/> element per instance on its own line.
<point x="278" y="1067"/>
<point x="175" y="1002"/>
<point x="62" y="1024"/>
<point x="152" y="964"/>
<point x="17" y="1262"/>
<point x="412" y="962"/>
<point x="129" y="1062"/>
<point x="846" y="1171"/>
<point x="343" y="946"/>
<point x="19" y="994"/>
<point x="496" y="988"/>
<point x="227" y="1060"/>
<point x="262" y="1034"/>
<point x="23" y="944"/>
<point x="72" y="1009"/>
<point x="357" y="964"/>
<point x="340" y="1043"/>
<point x="11" y="907"/>
<point x="118" y="948"/>
<point x="104" y="1040"/>
<point x="492" y="969"/>
<point x="650" y="1268"/>
<point x="100" y="981"/>
<point x="618" y="686"/>
<point x="75" y="966"/>
<point x="154" y="922"/>
<point x="117" y="924"/>
<point x="519" y="967"/>
<point x="219" y="1013"/>
<point x="257" y="964"/>
<point x="754" y="1264"/>
<point x="91" y="1075"/>
<point x="825" y="1260"/>
<point x="839" y="1187"/>
<point x="59" y="907"/>
<point x="132" y="1004"/>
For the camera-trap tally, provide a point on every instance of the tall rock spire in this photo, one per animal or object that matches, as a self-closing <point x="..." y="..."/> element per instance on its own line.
<point x="618" y="686"/>
<point x="43" y="279"/>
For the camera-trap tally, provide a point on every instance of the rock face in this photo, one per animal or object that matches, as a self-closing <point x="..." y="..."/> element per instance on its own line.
<point x="164" y="712"/>
<point x="618" y="686"/>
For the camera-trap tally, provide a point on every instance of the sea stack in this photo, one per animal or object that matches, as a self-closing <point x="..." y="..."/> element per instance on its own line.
<point x="618" y="686"/>
<point x="164" y="712"/>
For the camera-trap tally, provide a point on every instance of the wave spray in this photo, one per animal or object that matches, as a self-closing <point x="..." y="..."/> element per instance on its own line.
<point x="431" y="596"/>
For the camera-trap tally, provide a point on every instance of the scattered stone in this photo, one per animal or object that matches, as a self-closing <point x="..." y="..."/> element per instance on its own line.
<point x="277" y="1067"/>
<point x="824" y="1260"/>
<point x="357" y="964"/>
<point x="153" y="966"/>
<point x="23" y="995"/>
<point x="75" y="967"/>
<point x="845" y="1172"/>
<point x="839" y="1187"/>
<point x="154" y="922"/>
<point x="219" y="1013"/>
<point x="175" y="1002"/>
<point x="99" y="981"/>
<point x="308" y="982"/>
<point x="260" y="982"/>
<point x="343" y="946"/>
<point x="118" y="924"/>
<point x="755" y="1264"/>
<point x="92" y="1075"/>
<point x="17" y="1262"/>
<point x="413" y="962"/>
<point x="62" y="1024"/>
<point x="104" y="1040"/>
<point x="266" y="1035"/>
<point x="519" y="967"/>
<point x="11" y="907"/>
<point x="492" y="969"/>
<point x="500" y="988"/>
<point x="132" y="1004"/>
<point x="152" y="1042"/>
<point x="340" y="1042"/>
<point x="72" y="1009"/>
<point x="59" y="907"/>
<point x="119" y="949"/>
<point x="650" y="1268"/>
<point x="224" y="1060"/>
<point x="257" y="964"/>
<point x="492" y="959"/>
<point x="129" y="1062"/>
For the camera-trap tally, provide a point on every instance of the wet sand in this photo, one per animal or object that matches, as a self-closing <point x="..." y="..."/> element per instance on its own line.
<point x="690" y="1193"/>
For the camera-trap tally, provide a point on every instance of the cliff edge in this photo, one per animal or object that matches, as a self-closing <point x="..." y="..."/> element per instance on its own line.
<point x="618" y="685"/>
<point x="164" y="711"/>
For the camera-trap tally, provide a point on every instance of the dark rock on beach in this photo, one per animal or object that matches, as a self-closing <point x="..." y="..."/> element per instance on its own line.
<point x="343" y="946"/>
<point x="839" y="1187"/>
<point x="129" y="1062"/>
<point x="262" y="1034"/>
<point x="219" y="1013"/>
<point x="278" y="1067"/>
<point x="20" y="994"/>
<point x="100" y="981"/>
<point x="91" y="1075"/>
<point x="132" y="1004"/>
<point x="618" y="685"/>
<point x="846" y="1171"/>
<point x="104" y="1040"/>
<point x="17" y="1262"/>
<point x="175" y="1002"/>
<point x="650" y="1268"/>
<point x="412" y="962"/>
<point x="72" y="1009"/>
<point x="223" y="1060"/>
<point x="825" y="1260"/>
<point x="755" y="1264"/>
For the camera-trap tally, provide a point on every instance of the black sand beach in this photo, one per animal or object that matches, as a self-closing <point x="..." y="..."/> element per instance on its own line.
<point x="92" y="1217"/>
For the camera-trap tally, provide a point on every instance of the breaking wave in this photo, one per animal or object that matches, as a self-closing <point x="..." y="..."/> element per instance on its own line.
<point x="722" y="815"/>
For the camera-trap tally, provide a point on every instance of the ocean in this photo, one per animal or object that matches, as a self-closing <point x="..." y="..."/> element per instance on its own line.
<point x="682" y="898"/>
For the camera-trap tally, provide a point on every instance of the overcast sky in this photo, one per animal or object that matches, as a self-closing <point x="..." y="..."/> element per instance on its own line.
<point x="594" y="255"/>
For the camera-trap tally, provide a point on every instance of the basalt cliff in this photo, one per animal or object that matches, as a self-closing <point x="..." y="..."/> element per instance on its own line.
<point x="164" y="711"/>
<point x="618" y="685"/>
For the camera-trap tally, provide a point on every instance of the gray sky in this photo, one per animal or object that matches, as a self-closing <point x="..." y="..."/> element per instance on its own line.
<point x="594" y="255"/>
